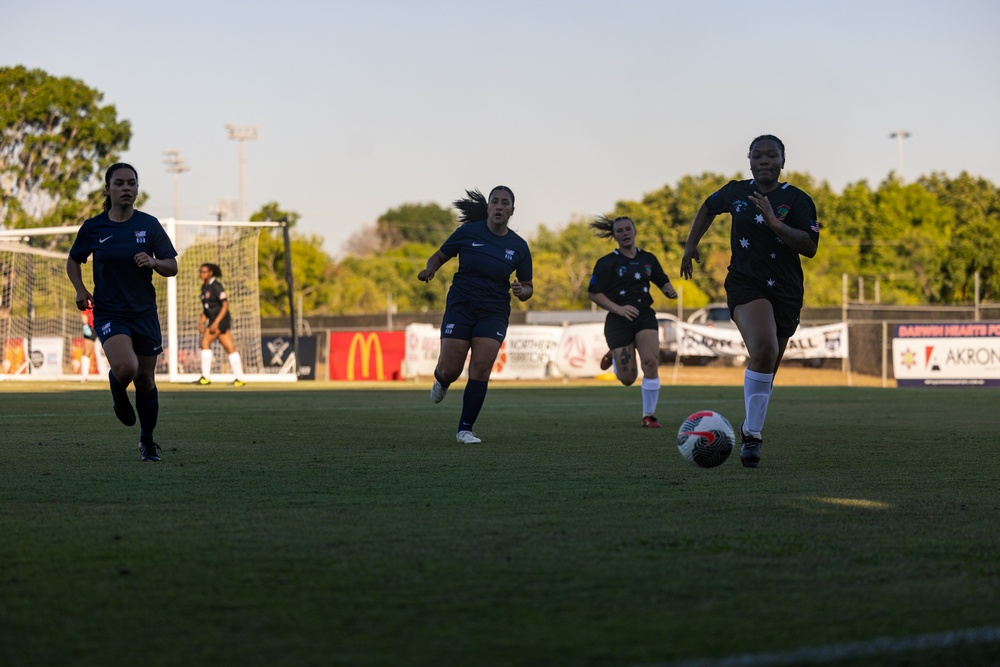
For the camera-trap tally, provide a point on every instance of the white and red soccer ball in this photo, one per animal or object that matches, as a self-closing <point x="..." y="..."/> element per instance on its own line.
<point x="706" y="439"/>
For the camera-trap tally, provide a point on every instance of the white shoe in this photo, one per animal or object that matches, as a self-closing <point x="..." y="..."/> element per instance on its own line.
<point x="467" y="438"/>
<point x="438" y="392"/>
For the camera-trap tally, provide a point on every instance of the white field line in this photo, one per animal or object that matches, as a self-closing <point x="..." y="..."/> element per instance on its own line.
<point x="834" y="652"/>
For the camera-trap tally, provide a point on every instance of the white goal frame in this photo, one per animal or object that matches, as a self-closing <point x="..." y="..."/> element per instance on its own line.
<point x="178" y="298"/>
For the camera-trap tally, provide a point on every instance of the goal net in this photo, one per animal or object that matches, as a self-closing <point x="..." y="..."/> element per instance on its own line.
<point x="41" y="331"/>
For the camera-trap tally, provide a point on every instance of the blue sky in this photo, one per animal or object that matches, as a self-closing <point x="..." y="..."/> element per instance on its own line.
<point x="363" y="106"/>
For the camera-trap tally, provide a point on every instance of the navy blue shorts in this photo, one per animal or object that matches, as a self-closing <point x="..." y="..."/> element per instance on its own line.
<point x="739" y="290"/>
<point x="147" y="341"/>
<point x="620" y="331"/>
<point x="466" y="320"/>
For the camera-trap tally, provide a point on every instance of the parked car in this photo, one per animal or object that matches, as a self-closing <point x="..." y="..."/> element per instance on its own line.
<point x="670" y="342"/>
<point x="717" y="315"/>
<point x="712" y="315"/>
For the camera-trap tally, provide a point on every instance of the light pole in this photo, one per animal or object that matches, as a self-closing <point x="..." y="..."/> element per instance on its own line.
<point x="899" y="135"/>
<point x="242" y="134"/>
<point x="176" y="166"/>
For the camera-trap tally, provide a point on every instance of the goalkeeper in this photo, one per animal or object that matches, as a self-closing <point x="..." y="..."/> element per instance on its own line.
<point x="215" y="323"/>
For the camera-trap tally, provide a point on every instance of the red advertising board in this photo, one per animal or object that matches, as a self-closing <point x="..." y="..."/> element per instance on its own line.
<point x="367" y="355"/>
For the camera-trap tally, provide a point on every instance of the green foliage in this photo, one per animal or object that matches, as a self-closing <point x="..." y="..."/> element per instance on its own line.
<point x="56" y="139"/>
<point x="428" y="224"/>
<point x="311" y="267"/>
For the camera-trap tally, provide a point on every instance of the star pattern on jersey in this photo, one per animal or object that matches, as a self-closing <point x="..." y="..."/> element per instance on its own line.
<point x="745" y="243"/>
<point x="638" y="276"/>
<point x="774" y="255"/>
<point x="759" y="219"/>
<point x="621" y="292"/>
<point x="770" y="282"/>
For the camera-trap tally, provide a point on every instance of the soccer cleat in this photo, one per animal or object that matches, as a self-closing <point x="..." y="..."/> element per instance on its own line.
<point x="203" y="380"/>
<point x="147" y="450"/>
<point x="649" y="421"/>
<point x="606" y="361"/>
<point x="750" y="451"/>
<point x="123" y="409"/>
<point x="438" y="392"/>
<point x="239" y="383"/>
<point x="467" y="438"/>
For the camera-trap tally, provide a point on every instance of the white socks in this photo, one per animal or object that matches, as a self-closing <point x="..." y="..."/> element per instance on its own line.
<point x="650" y="395"/>
<point x="85" y="366"/>
<point x="756" y="394"/>
<point x="236" y="364"/>
<point x="206" y="364"/>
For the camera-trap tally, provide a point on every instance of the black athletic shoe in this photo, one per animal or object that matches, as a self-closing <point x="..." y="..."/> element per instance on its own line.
<point x="750" y="451"/>
<point x="123" y="409"/>
<point x="147" y="450"/>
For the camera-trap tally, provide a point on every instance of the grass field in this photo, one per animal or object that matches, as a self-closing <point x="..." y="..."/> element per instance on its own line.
<point x="314" y="525"/>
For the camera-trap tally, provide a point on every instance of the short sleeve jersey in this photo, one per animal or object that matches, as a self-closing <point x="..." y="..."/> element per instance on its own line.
<point x="122" y="289"/>
<point x="758" y="253"/>
<point x="212" y="296"/>
<point x="626" y="280"/>
<point x="486" y="262"/>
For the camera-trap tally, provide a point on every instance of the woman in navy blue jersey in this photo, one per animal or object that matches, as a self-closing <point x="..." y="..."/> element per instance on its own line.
<point x="478" y="306"/>
<point x="128" y="246"/>
<point x="620" y="285"/>
<point x="773" y="224"/>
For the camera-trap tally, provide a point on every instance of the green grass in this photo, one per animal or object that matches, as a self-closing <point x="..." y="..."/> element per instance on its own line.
<point x="310" y="525"/>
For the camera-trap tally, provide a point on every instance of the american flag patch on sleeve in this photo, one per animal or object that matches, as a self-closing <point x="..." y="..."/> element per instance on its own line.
<point x="814" y="226"/>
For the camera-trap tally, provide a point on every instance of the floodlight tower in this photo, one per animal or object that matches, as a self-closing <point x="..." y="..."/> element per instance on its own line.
<point x="899" y="135"/>
<point x="176" y="166"/>
<point x="242" y="134"/>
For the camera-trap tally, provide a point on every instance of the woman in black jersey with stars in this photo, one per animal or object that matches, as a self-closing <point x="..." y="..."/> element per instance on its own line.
<point x="214" y="323"/>
<point x="620" y="285"/>
<point x="128" y="246"/>
<point x="773" y="224"/>
<point x="478" y="306"/>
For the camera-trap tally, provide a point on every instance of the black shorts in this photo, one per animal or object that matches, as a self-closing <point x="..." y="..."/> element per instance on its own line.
<point x="145" y="333"/>
<point x="740" y="290"/>
<point x="224" y="324"/>
<point x="465" y="319"/>
<point x="619" y="331"/>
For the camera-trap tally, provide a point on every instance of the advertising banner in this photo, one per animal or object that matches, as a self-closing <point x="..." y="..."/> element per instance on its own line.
<point x="423" y="343"/>
<point x="527" y="353"/>
<point x="823" y="342"/>
<point x="278" y="355"/>
<point x="47" y="356"/>
<point x="935" y="354"/>
<point x="367" y="355"/>
<point x="15" y="356"/>
<point x="581" y="349"/>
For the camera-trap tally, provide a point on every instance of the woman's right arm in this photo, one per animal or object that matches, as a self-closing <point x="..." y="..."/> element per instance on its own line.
<point x="434" y="263"/>
<point x="702" y="221"/>
<point x="75" y="273"/>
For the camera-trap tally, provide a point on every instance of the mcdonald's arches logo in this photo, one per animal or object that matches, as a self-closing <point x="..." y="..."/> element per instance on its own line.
<point x="367" y="355"/>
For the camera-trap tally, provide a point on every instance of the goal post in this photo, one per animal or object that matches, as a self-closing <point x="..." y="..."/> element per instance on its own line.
<point x="40" y="327"/>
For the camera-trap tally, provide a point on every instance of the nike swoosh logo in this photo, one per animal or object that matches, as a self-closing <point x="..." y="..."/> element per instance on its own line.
<point x="105" y="239"/>
<point x="500" y="334"/>
<point x="477" y="245"/>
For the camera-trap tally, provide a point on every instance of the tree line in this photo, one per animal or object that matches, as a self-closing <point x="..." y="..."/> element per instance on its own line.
<point x="924" y="242"/>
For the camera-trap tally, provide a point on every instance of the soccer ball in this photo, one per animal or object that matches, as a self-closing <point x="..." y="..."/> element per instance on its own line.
<point x="706" y="439"/>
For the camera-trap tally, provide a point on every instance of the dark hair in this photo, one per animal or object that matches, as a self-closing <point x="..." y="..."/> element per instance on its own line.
<point x="214" y="268"/>
<point x="107" y="179"/>
<point x="604" y="227"/>
<point x="768" y="137"/>
<point x="475" y="207"/>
